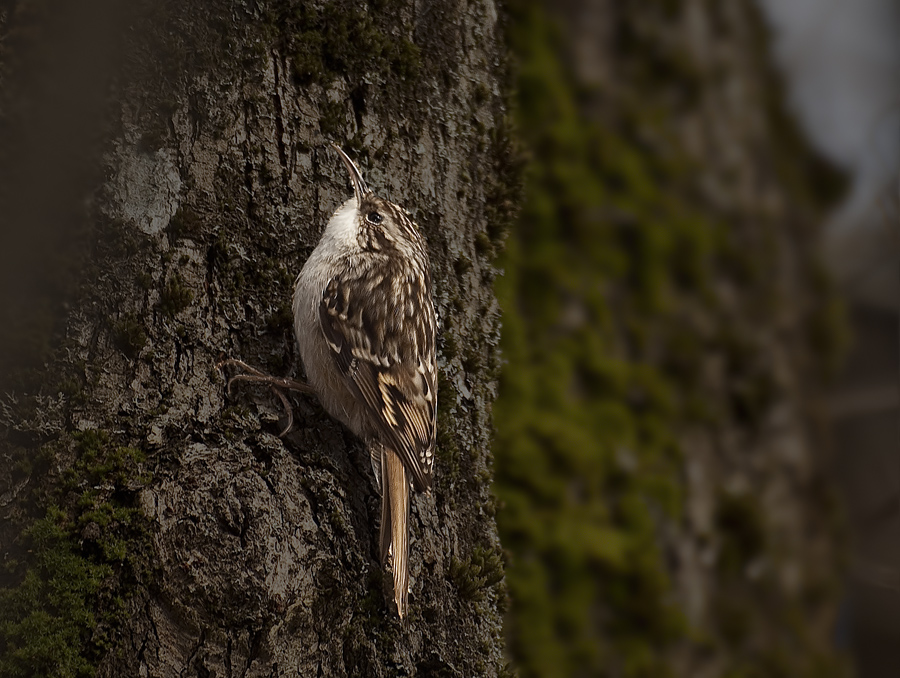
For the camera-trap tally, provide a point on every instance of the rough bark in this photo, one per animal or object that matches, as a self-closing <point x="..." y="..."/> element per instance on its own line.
<point x="253" y="555"/>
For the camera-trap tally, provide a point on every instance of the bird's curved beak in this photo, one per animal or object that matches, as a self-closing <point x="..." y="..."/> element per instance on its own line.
<point x="359" y="185"/>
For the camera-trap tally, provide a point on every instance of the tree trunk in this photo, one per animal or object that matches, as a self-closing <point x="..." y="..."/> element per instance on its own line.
<point x="195" y="540"/>
<point x="660" y="448"/>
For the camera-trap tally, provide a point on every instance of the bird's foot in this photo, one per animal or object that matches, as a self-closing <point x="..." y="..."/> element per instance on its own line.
<point x="277" y="384"/>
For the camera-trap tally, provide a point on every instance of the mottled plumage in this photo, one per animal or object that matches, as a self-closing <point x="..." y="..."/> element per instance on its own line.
<point x="365" y="324"/>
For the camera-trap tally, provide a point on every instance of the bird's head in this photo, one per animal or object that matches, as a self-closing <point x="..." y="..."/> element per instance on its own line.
<point x="377" y="223"/>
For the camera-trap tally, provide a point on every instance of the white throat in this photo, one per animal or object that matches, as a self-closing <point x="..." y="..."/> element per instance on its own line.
<point x="342" y="226"/>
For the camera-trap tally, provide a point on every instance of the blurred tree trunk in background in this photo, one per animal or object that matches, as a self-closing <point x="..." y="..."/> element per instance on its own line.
<point x="667" y="325"/>
<point x="165" y="176"/>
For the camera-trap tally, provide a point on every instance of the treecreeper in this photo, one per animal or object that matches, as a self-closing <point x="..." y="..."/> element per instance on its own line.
<point x="365" y="324"/>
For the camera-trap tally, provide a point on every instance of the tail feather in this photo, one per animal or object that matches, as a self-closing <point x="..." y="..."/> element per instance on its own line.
<point x="395" y="525"/>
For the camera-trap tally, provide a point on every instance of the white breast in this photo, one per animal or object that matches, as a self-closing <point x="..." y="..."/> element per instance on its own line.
<point x="328" y="258"/>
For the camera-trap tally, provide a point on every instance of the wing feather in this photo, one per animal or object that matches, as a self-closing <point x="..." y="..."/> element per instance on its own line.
<point x="388" y="361"/>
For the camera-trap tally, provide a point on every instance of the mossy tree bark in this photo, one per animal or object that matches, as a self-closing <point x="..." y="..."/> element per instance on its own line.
<point x="154" y="524"/>
<point x="659" y="444"/>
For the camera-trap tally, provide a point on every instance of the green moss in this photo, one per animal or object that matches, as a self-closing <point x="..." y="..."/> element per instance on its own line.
<point x="84" y="556"/>
<point x="175" y="297"/>
<point x="473" y="577"/>
<point x="48" y="619"/>
<point x="568" y="406"/>
<point x="614" y="313"/>
<point x="483" y="245"/>
<point x="342" y="40"/>
<point x="337" y="521"/>
<point x="333" y="118"/>
<point x="130" y="336"/>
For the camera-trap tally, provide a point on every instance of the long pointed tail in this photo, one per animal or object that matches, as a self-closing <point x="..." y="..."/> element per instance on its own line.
<point x="395" y="524"/>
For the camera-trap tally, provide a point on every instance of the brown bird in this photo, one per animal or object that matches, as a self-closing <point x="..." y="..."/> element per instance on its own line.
<point x="365" y="324"/>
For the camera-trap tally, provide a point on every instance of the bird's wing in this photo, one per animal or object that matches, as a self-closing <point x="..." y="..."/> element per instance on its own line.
<point x="384" y="346"/>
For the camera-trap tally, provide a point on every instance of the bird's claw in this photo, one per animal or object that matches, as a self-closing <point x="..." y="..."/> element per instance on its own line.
<point x="256" y="376"/>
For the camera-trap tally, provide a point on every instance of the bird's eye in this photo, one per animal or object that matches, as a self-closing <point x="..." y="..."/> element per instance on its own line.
<point x="373" y="218"/>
